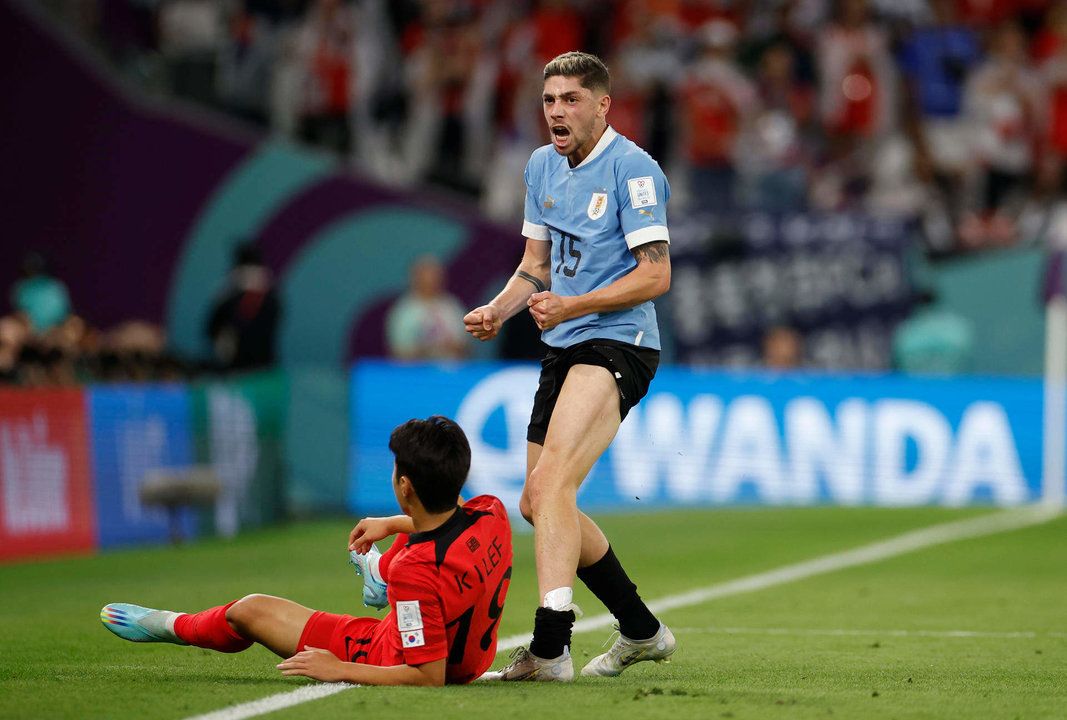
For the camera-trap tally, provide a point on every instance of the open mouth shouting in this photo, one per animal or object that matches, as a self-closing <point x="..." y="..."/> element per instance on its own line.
<point x="561" y="136"/>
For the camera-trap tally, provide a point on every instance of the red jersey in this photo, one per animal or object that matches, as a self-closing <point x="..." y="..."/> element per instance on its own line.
<point x="446" y="593"/>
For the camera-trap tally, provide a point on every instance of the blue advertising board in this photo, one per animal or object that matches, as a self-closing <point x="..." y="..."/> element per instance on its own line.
<point x="134" y="431"/>
<point x="724" y="438"/>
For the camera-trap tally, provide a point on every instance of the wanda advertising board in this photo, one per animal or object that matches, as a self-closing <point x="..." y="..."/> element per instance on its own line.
<point x="716" y="438"/>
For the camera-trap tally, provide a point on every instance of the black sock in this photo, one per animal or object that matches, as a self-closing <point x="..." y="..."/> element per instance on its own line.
<point x="613" y="587"/>
<point x="552" y="632"/>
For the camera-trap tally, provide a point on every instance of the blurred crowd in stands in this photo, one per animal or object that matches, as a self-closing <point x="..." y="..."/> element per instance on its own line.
<point x="950" y="111"/>
<point x="44" y="342"/>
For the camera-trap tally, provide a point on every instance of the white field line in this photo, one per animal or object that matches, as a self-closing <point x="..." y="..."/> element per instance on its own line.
<point x="908" y="542"/>
<point x="272" y="703"/>
<point x="815" y="632"/>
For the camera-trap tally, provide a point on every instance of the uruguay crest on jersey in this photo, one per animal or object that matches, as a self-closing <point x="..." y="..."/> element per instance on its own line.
<point x="597" y="205"/>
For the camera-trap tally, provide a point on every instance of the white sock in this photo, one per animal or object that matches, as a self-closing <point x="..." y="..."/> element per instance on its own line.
<point x="169" y="620"/>
<point x="161" y="624"/>
<point x="559" y="599"/>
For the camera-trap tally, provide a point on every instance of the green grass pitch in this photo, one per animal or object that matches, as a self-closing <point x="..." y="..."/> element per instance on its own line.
<point x="970" y="629"/>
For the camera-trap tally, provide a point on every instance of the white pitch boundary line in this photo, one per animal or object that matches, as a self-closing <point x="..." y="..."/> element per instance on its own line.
<point x="815" y="632"/>
<point x="864" y="555"/>
<point x="273" y="703"/>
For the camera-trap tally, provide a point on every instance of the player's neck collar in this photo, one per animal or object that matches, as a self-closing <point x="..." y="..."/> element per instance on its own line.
<point x="601" y="146"/>
<point x="453" y="519"/>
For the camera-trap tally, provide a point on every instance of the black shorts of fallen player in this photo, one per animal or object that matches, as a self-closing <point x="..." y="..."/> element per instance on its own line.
<point x="632" y="367"/>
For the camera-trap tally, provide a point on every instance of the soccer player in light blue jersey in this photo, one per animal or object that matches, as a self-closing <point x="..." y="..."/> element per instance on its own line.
<point x="597" y="253"/>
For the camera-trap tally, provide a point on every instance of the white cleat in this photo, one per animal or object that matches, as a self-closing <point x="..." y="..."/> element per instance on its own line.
<point x="527" y="666"/>
<point x="625" y="652"/>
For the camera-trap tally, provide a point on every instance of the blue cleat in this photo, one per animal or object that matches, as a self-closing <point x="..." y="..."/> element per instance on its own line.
<point x="374" y="594"/>
<point x="139" y="624"/>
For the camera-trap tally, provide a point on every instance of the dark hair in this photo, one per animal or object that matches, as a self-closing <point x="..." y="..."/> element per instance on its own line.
<point x="590" y="70"/>
<point x="435" y="455"/>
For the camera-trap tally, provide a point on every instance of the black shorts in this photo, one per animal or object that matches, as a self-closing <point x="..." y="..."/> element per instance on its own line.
<point x="633" y="368"/>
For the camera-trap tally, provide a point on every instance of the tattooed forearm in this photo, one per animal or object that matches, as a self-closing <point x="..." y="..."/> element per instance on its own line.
<point x="656" y="252"/>
<point x="535" y="281"/>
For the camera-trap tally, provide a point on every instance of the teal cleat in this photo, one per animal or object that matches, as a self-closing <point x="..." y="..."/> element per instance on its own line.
<point x="139" y="624"/>
<point x="374" y="588"/>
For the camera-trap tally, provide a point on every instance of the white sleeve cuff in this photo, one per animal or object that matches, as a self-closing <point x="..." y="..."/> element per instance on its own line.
<point x="535" y="232"/>
<point x="654" y="233"/>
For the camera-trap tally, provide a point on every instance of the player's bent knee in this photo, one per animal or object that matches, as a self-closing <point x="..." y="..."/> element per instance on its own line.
<point x="245" y="611"/>
<point x="526" y="508"/>
<point x="541" y="491"/>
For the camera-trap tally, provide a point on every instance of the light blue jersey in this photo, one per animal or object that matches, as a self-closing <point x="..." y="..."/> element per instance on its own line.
<point x="594" y="215"/>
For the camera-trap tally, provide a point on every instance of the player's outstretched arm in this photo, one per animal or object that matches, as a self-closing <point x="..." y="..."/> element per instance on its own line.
<point x="370" y="530"/>
<point x="650" y="279"/>
<point x="533" y="275"/>
<point x="325" y="666"/>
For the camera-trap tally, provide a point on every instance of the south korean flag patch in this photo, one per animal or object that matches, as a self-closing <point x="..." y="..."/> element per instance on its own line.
<point x="409" y="623"/>
<point x="413" y="638"/>
<point x="642" y="192"/>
